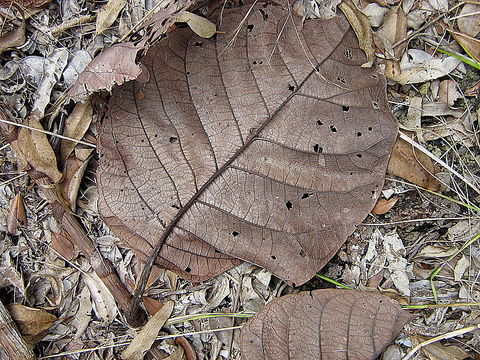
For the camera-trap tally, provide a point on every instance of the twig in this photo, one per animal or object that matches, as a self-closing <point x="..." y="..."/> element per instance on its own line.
<point x="441" y="337"/>
<point x="64" y="26"/>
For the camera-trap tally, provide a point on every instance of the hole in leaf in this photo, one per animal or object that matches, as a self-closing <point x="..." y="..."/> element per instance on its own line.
<point x="254" y="62"/>
<point x="234" y="233"/>
<point x="318" y="149"/>
<point x="199" y="44"/>
<point x="187" y="269"/>
<point x="333" y="128"/>
<point x="359" y="133"/>
<point x="302" y="253"/>
<point x="319" y="123"/>
<point x="260" y="62"/>
<point x="291" y="87"/>
<point x="264" y="14"/>
<point x="175" y="206"/>
<point x="345" y="108"/>
<point x="359" y="156"/>
<point x="351" y="173"/>
<point x="306" y="195"/>
<point x="156" y="135"/>
<point x="289" y="205"/>
<point x="375" y="105"/>
<point x="370" y="128"/>
<point x="274" y="257"/>
<point x="188" y="72"/>
<point x="250" y="27"/>
<point x="172" y="139"/>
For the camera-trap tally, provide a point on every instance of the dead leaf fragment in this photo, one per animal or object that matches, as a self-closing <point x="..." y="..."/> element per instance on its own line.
<point x="63" y="245"/>
<point x="323" y="324"/>
<point x="199" y="25"/>
<point x="14" y="38"/>
<point x="144" y="340"/>
<point x="361" y="25"/>
<point x="76" y="126"/>
<point x="383" y="205"/>
<point x="24" y="3"/>
<point x="107" y="15"/>
<point x="470" y="44"/>
<point x="33" y="147"/>
<point x="32" y="323"/>
<point x="413" y="166"/>
<point x="438" y="351"/>
<point x="469" y="19"/>
<point x="448" y="93"/>
<point x="112" y="67"/>
<point x="393" y="30"/>
<point x="17" y="215"/>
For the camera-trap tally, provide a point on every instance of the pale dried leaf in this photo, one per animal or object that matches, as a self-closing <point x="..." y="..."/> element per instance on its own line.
<point x="199" y="25"/>
<point x="397" y="264"/>
<point x="460" y="267"/>
<point x="202" y="169"/>
<point x="393" y="30"/>
<point x="107" y="14"/>
<point x="469" y="19"/>
<point x="323" y="324"/>
<point x="113" y="66"/>
<point x="469" y="43"/>
<point x="34" y="148"/>
<point x="84" y="313"/>
<point x="435" y="252"/>
<point x="104" y="304"/>
<point x="414" y="114"/>
<point x="9" y="275"/>
<point x="417" y="66"/>
<point x="438" y="351"/>
<point x="76" y="126"/>
<point x="145" y="338"/>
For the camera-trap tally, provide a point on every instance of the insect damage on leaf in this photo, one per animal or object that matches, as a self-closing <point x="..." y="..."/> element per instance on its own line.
<point x="268" y="143"/>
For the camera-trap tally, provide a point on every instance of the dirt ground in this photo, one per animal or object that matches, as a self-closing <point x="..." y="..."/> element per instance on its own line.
<point x="394" y="252"/>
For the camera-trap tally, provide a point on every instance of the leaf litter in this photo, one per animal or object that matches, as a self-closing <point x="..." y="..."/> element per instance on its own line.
<point x="442" y="122"/>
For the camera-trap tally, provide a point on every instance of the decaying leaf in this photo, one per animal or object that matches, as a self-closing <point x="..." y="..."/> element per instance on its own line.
<point x="33" y="147"/>
<point x="438" y="351"/>
<point x="199" y="25"/>
<point x="76" y="126"/>
<point x="469" y="19"/>
<point x="107" y="14"/>
<point x="32" y="323"/>
<point x="103" y="302"/>
<point x="113" y="66"/>
<point x="417" y="66"/>
<point x="14" y="38"/>
<point x="448" y="93"/>
<point x="323" y="324"/>
<point x="144" y="339"/>
<point x="383" y="205"/>
<point x="469" y="43"/>
<point x="413" y="166"/>
<point x="246" y="149"/>
<point x="17" y="215"/>
<point x="64" y="245"/>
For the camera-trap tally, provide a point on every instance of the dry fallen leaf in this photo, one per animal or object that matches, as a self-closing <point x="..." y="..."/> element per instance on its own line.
<point x="203" y="169"/>
<point x="145" y="338"/>
<point x="438" y="351"/>
<point x="32" y="323"/>
<point x="63" y="245"/>
<point x="323" y="324"/>
<point x="107" y="14"/>
<point x="33" y="147"/>
<point x="448" y="93"/>
<point x="104" y="304"/>
<point x="383" y="205"/>
<point x="199" y="25"/>
<point x="469" y="43"/>
<point x="14" y="38"/>
<point x="17" y="215"/>
<point x="76" y="126"/>
<point x="469" y="19"/>
<point x="413" y="166"/>
<point x="24" y="3"/>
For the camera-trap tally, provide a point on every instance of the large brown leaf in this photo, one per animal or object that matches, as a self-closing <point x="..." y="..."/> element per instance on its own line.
<point x="268" y="143"/>
<point x="323" y="324"/>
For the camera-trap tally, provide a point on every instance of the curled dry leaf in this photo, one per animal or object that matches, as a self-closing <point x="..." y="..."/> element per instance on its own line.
<point x="33" y="147"/>
<point x="103" y="302"/>
<point x="470" y="44"/>
<point x="383" y="205"/>
<point x="32" y="323"/>
<point x="63" y="244"/>
<point x="413" y="166"/>
<point x="144" y="340"/>
<point x="76" y="126"/>
<point x="17" y="215"/>
<point x="323" y="324"/>
<point x="245" y="150"/>
<point x="107" y="14"/>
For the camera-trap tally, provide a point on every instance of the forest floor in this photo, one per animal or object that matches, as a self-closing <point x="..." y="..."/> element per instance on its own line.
<point x="394" y="251"/>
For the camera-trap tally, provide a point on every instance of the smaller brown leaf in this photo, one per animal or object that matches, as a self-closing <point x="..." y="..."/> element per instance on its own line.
<point x="413" y="166"/>
<point x="383" y="205"/>
<point x="361" y="25"/>
<point x="469" y="43"/>
<point x="187" y="348"/>
<point x="14" y="38"/>
<point x="107" y="14"/>
<point x="448" y="93"/>
<point x="76" y="126"/>
<point x="199" y="25"/>
<point x="33" y="147"/>
<point x="144" y="340"/>
<point x="17" y="215"/>
<point x="63" y="244"/>
<point x="393" y="30"/>
<point x="113" y="66"/>
<point x="32" y="323"/>
<point x="469" y="19"/>
<point x="73" y="174"/>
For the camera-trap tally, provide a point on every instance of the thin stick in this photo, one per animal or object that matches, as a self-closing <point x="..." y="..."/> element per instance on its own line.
<point x="49" y="133"/>
<point x="438" y="160"/>
<point x="441" y="337"/>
